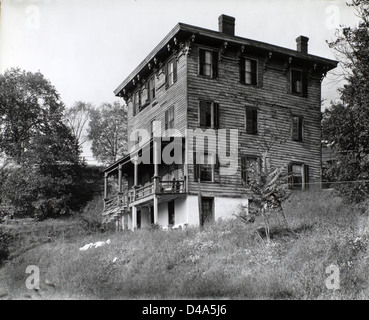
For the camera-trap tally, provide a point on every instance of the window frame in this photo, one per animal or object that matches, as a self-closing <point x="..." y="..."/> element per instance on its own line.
<point x="136" y="102"/>
<point x="151" y="87"/>
<point x="243" y="71"/>
<point x="199" y="167"/>
<point x="169" y="118"/>
<point x="214" y="114"/>
<point x="214" y="62"/>
<point x="304" y="82"/>
<point x="300" y="128"/>
<point x="244" y="175"/>
<point x="304" y="176"/>
<point x="171" y="78"/>
<point x="254" y="130"/>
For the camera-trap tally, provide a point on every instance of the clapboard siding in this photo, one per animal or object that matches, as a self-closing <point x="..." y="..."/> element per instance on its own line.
<point x="175" y="95"/>
<point x="275" y="106"/>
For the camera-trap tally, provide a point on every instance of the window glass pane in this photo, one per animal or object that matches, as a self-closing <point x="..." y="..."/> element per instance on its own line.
<point x="208" y="57"/>
<point x="247" y="65"/>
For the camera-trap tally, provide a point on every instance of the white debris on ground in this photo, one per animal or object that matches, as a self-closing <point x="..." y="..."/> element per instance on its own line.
<point x="115" y="260"/>
<point x="180" y="226"/>
<point x="94" y="245"/>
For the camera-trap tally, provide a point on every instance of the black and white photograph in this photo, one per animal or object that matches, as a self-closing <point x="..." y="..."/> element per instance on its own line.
<point x="184" y="156"/>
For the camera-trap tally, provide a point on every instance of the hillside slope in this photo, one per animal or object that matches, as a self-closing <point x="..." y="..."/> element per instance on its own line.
<point x="224" y="260"/>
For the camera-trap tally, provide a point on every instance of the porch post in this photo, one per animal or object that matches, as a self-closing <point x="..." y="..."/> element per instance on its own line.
<point x="105" y="188"/>
<point x="156" y="209"/>
<point x="135" y="172"/>
<point x="134" y="218"/>
<point x="120" y="182"/>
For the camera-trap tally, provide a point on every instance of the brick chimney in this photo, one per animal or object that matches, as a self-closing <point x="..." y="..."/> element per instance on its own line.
<point x="226" y="24"/>
<point x="302" y="44"/>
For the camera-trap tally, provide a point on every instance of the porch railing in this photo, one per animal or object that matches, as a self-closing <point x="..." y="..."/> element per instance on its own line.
<point x="176" y="186"/>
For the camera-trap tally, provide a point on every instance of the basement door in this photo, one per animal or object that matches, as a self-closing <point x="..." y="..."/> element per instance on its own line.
<point x="207" y="205"/>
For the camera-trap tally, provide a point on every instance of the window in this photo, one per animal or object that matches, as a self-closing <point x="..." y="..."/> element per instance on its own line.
<point x="299" y="82"/>
<point x="171" y="72"/>
<point x="151" y="88"/>
<point x="297" y="129"/>
<point x="250" y="166"/>
<point x="152" y="129"/>
<point x="169" y="118"/>
<point x="251" y="122"/>
<point x="249" y="71"/>
<point x="208" y="63"/>
<point x="204" y="168"/>
<point x="208" y="114"/>
<point x="298" y="176"/>
<point x="136" y="102"/>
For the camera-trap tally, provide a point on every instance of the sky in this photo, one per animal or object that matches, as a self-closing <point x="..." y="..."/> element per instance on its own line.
<point x="86" y="48"/>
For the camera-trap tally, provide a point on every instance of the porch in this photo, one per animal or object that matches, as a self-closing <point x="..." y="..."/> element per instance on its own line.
<point x="143" y="185"/>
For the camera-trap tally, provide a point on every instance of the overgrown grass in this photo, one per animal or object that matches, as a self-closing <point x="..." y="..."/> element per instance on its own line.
<point x="224" y="260"/>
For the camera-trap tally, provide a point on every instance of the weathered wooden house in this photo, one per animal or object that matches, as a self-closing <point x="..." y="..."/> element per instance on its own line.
<point x="203" y="79"/>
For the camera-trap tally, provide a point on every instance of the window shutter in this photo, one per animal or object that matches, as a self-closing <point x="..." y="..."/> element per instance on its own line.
<point x="166" y="76"/>
<point x="166" y="119"/>
<point x="304" y="84"/>
<point x="202" y="113"/>
<point x="249" y="120"/>
<point x="306" y="175"/>
<point x="243" y="169"/>
<point x="216" y="115"/>
<point x="289" y="174"/>
<point x="202" y="61"/>
<point x="254" y="71"/>
<point x="242" y="70"/>
<point x="196" y="173"/>
<point x="254" y="121"/>
<point x="300" y="129"/>
<point x="175" y="70"/>
<point x="295" y="128"/>
<point x="215" y="64"/>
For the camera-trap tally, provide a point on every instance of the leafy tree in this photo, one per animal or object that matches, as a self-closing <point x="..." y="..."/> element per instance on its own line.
<point x="29" y="106"/>
<point x="346" y="123"/>
<point x="77" y="118"/>
<point x="47" y="180"/>
<point x="108" y="132"/>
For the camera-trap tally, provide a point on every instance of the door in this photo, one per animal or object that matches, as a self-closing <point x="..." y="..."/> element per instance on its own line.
<point x="171" y="213"/>
<point x="138" y="219"/>
<point x="207" y="210"/>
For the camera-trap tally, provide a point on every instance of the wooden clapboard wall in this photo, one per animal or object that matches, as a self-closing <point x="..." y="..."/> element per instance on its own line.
<point x="275" y="104"/>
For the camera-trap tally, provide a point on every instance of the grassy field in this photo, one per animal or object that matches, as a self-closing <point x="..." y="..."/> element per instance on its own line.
<point x="224" y="260"/>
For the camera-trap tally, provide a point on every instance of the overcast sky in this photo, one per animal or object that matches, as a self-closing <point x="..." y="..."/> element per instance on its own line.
<point x="86" y="48"/>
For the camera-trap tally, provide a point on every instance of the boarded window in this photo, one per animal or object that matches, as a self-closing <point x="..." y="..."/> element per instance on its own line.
<point x="208" y="63"/>
<point x="251" y="122"/>
<point x="297" y="128"/>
